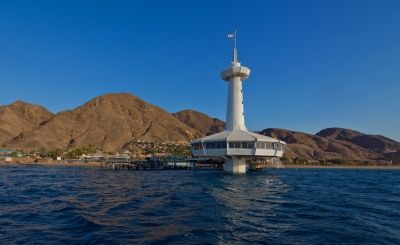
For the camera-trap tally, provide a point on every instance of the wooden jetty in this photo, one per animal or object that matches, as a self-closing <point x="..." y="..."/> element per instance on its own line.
<point x="122" y="164"/>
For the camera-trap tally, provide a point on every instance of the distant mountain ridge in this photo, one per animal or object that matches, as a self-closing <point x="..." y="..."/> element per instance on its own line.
<point x="113" y="121"/>
<point x="372" y="142"/>
<point x="318" y="147"/>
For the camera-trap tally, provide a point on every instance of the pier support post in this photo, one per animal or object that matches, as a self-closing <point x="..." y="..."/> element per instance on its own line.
<point x="235" y="165"/>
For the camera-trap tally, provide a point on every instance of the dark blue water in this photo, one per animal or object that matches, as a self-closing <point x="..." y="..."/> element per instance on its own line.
<point x="82" y="205"/>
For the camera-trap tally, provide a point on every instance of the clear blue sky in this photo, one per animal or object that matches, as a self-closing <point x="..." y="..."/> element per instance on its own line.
<point x="314" y="64"/>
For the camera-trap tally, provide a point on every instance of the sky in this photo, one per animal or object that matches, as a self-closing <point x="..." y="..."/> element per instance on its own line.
<point x="314" y="64"/>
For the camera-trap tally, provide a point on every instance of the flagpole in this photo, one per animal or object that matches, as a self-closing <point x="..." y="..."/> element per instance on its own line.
<point x="234" y="45"/>
<point x="234" y="36"/>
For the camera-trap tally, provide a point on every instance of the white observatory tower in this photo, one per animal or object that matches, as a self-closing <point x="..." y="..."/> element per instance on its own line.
<point x="236" y="144"/>
<point x="234" y="75"/>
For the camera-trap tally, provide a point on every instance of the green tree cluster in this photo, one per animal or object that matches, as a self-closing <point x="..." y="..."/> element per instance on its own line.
<point x="338" y="161"/>
<point x="300" y="160"/>
<point x="285" y="159"/>
<point x="15" y="153"/>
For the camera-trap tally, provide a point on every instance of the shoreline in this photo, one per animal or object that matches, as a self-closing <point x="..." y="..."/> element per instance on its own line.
<point x="53" y="164"/>
<point x="342" y="167"/>
<point x="97" y="164"/>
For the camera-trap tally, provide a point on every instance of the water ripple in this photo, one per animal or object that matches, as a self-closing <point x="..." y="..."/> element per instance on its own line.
<point x="77" y="205"/>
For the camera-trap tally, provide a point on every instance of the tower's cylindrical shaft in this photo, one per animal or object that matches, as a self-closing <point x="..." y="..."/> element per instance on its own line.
<point x="234" y="75"/>
<point x="235" y="112"/>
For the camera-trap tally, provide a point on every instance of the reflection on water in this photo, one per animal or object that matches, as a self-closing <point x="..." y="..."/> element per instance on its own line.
<point x="249" y="205"/>
<point x="86" y="205"/>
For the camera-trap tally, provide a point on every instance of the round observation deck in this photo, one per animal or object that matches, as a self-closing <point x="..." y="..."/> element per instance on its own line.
<point x="238" y="143"/>
<point x="235" y="71"/>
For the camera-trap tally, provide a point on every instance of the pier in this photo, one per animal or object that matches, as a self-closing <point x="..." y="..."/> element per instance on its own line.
<point x="125" y="164"/>
<point x="176" y="163"/>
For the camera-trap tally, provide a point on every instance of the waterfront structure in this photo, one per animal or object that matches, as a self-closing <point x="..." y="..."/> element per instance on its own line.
<point x="236" y="145"/>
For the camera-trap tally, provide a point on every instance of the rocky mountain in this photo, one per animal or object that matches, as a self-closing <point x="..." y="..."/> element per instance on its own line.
<point x="20" y="117"/>
<point x="332" y="143"/>
<point x="113" y="121"/>
<point x="375" y="143"/>
<point x="110" y="122"/>
<point x="200" y="121"/>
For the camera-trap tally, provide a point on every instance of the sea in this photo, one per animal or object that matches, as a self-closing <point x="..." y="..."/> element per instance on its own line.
<point x="87" y="205"/>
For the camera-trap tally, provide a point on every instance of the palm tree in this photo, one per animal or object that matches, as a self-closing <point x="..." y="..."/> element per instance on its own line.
<point x="137" y="153"/>
<point x="42" y="151"/>
<point x="133" y="146"/>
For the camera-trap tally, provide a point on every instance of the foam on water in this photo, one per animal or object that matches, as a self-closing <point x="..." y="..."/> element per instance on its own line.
<point x="65" y="205"/>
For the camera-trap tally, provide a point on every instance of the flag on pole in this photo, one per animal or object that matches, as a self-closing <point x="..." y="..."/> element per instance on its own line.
<point x="230" y="36"/>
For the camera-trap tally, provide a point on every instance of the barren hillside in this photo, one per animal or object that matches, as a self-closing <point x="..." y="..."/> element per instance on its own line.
<point x="109" y="121"/>
<point x="20" y="117"/>
<point x="200" y="121"/>
<point x="112" y="121"/>
<point x="318" y="147"/>
<point x="376" y="143"/>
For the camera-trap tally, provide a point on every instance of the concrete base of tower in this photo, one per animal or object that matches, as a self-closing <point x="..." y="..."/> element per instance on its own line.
<point x="235" y="165"/>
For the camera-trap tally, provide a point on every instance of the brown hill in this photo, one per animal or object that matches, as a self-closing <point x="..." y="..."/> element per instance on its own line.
<point x="110" y="122"/>
<point x="200" y="121"/>
<point x="376" y="143"/>
<point x="20" y="117"/>
<point x="392" y="156"/>
<point x="317" y="147"/>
